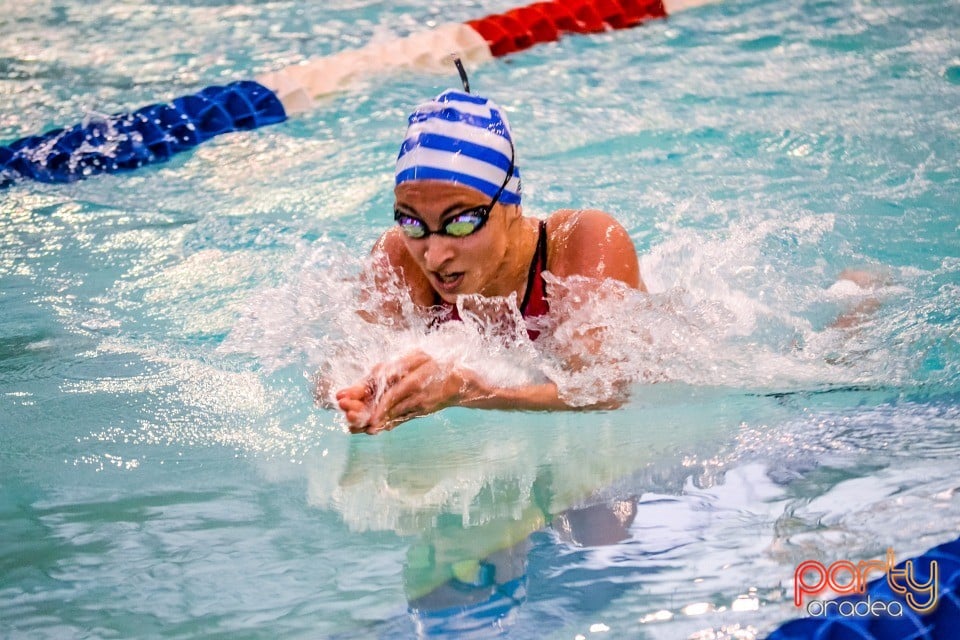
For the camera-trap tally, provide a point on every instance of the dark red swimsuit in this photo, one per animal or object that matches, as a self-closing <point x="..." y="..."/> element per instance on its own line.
<point x="534" y="299"/>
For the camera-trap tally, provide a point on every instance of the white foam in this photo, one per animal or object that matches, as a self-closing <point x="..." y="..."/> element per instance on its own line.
<point x="716" y="316"/>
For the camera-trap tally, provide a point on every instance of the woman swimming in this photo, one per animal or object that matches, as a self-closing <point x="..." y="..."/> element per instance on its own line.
<point x="461" y="231"/>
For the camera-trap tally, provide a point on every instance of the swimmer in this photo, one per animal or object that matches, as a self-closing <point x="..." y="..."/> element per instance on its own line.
<point x="460" y="230"/>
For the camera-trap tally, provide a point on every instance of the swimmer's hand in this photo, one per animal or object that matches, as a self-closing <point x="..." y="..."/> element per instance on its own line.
<point x="863" y="282"/>
<point x="394" y="392"/>
<point x="416" y="385"/>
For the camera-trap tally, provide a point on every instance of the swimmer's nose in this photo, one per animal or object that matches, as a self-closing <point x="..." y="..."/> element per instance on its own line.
<point x="437" y="252"/>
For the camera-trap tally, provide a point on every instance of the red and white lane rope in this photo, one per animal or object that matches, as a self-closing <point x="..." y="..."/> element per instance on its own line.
<point x="474" y="41"/>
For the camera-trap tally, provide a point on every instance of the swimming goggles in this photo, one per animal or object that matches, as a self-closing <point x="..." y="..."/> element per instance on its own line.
<point x="465" y="223"/>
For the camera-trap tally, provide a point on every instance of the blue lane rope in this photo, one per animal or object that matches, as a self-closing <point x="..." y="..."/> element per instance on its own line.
<point x="940" y="624"/>
<point x="151" y="134"/>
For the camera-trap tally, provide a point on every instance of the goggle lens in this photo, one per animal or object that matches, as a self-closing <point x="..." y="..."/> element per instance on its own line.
<point x="412" y="227"/>
<point x="463" y="224"/>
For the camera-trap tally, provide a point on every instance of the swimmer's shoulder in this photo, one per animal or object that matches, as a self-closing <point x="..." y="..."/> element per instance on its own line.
<point x="591" y="243"/>
<point x="390" y="252"/>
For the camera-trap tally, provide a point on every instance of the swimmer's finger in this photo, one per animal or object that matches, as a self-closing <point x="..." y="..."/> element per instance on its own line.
<point x="394" y="375"/>
<point x="358" y="421"/>
<point x="356" y="413"/>
<point x="388" y="425"/>
<point x="386" y="407"/>
<point x="349" y="404"/>
<point x="356" y="392"/>
<point x="405" y="417"/>
<point x="354" y="406"/>
<point x="406" y="408"/>
<point x="373" y="429"/>
<point x="358" y="428"/>
<point x="412" y="396"/>
<point x="395" y="371"/>
<point x="385" y="375"/>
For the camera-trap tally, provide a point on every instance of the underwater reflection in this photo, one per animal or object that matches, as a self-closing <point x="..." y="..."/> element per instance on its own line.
<point x="483" y="596"/>
<point x="469" y="489"/>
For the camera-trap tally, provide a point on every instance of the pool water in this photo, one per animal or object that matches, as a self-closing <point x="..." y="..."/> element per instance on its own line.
<point x="165" y="472"/>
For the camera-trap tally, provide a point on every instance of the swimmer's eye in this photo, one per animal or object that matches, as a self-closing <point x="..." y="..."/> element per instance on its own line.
<point x="411" y="226"/>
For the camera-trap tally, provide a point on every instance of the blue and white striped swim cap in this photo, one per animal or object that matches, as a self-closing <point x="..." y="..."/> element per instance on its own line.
<point x="462" y="138"/>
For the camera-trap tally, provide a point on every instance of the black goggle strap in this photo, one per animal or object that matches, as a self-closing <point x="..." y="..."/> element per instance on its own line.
<point x="463" y="73"/>
<point x="506" y="181"/>
<point x="466" y="89"/>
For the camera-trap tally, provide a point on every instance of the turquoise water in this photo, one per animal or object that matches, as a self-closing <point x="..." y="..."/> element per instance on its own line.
<point x="164" y="471"/>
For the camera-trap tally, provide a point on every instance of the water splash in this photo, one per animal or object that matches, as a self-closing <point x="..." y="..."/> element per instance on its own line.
<point x="719" y="313"/>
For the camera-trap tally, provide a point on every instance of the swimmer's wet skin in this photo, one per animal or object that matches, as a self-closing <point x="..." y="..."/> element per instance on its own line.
<point x="461" y="235"/>
<point x="461" y="232"/>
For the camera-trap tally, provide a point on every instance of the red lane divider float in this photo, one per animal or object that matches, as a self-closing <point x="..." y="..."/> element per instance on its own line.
<point x="522" y="28"/>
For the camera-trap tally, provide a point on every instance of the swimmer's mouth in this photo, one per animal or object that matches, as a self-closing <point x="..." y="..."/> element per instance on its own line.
<point x="447" y="282"/>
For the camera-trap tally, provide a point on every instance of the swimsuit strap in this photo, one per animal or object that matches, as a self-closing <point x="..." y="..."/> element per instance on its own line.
<point x="535" y="298"/>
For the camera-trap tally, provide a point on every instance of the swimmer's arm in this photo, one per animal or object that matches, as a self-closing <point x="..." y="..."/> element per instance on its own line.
<point x="534" y="397"/>
<point x="476" y="393"/>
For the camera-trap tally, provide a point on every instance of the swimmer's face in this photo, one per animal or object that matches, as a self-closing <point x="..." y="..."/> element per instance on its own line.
<point x="454" y="266"/>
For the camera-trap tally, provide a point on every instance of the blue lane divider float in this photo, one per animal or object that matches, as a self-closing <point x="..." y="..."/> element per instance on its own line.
<point x="942" y="623"/>
<point x="151" y="134"/>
